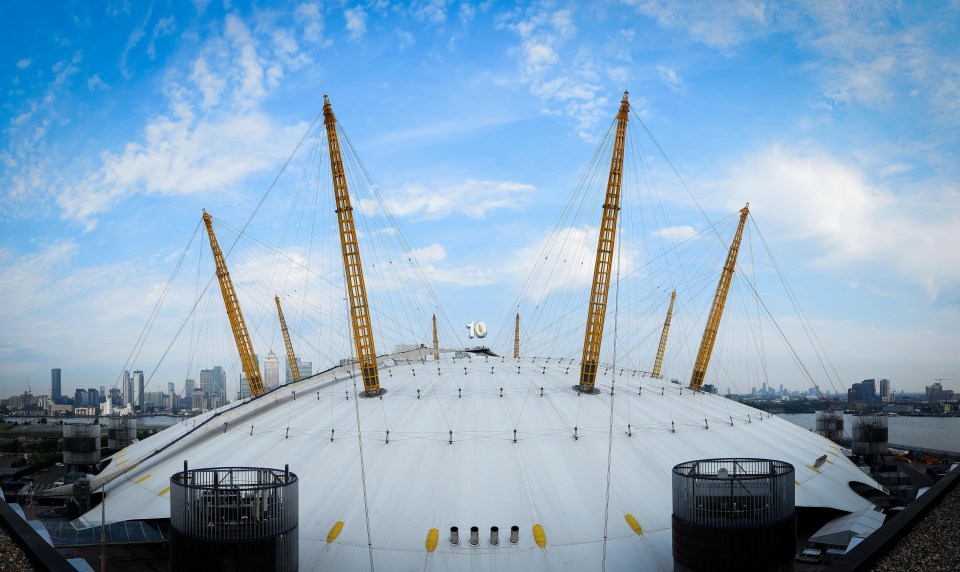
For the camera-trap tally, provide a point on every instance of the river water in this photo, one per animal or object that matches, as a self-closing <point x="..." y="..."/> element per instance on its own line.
<point x="929" y="432"/>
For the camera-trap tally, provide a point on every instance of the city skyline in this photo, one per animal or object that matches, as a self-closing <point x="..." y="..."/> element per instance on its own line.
<point x="837" y="123"/>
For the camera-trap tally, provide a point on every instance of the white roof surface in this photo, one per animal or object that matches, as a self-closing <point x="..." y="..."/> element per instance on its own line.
<point x="841" y="530"/>
<point x="419" y="481"/>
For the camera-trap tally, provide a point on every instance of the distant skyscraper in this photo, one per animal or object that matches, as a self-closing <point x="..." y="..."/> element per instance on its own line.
<point x="188" y="394"/>
<point x="126" y="386"/>
<point x="885" y="390"/>
<point x="55" y="388"/>
<point x="138" y="383"/>
<point x="305" y="367"/>
<point x="219" y="383"/>
<point x="206" y="381"/>
<point x="80" y="398"/>
<point x="244" y="386"/>
<point x="271" y="371"/>
<point x="93" y="397"/>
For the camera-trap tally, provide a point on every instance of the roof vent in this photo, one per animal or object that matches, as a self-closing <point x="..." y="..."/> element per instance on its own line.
<point x="454" y="536"/>
<point x="474" y="536"/>
<point x="514" y="534"/>
<point x="494" y="535"/>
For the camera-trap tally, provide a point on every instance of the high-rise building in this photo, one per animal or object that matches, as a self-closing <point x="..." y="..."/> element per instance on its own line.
<point x="885" y="390"/>
<point x="271" y="371"/>
<point x="305" y="367"/>
<point x="80" y="398"/>
<point x="138" y="383"/>
<point x="93" y="397"/>
<point x="244" y="386"/>
<point x="219" y="383"/>
<point x="188" y="394"/>
<point x="55" y="387"/>
<point x="206" y="382"/>
<point x="127" y="387"/>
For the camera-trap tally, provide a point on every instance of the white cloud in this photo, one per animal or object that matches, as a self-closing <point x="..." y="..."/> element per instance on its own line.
<point x="855" y="223"/>
<point x="567" y="77"/>
<point x="180" y="155"/>
<point x="165" y="27"/>
<point x="308" y="16"/>
<point x="133" y="39"/>
<point x="212" y="136"/>
<point x="670" y="77"/>
<point x="406" y="39"/>
<point x="249" y="63"/>
<point x="721" y="24"/>
<point x="95" y="83"/>
<point x="432" y="11"/>
<point x="24" y="63"/>
<point x="356" y="22"/>
<point x="472" y="198"/>
<point x="676" y="233"/>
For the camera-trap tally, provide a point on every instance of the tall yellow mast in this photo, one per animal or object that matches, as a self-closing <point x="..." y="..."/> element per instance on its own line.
<point x="597" y="310"/>
<point x="716" y="311"/>
<point x="516" y="339"/>
<point x="353" y="270"/>
<point x="663" y="339"/>
<point x="239" y="327"/>
<point x="436" y="340"/>
<point x="291" y="357"/>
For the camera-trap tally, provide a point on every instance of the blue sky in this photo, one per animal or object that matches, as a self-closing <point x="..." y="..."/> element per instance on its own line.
<point x="837" y="123"/>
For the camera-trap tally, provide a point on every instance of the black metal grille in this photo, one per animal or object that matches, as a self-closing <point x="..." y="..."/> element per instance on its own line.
<point x="244" y="516"/>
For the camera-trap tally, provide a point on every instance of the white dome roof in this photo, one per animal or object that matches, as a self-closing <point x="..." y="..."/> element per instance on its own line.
<point x="420" y="481"/>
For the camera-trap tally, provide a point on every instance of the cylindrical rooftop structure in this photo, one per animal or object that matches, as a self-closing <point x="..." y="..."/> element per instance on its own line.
<point x="869" y="435"/>
<point x="830" y="425"/>
<point x="234" y="518"/>
<point x="121" y="431"/>
<point x="733" y="515"/>
<point x="81" y="444"/>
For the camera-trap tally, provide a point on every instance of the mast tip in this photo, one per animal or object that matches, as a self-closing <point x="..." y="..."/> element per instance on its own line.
<point x="326" y="99"/>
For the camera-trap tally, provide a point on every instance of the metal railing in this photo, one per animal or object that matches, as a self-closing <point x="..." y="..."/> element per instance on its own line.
<point x="733" y="493"/>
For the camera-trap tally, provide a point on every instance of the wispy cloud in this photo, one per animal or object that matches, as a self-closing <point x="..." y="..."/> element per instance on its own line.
<point x="472" y="198"/>
<point x="721" y="24"/>
<point x="356" y="18"/>
<point x="567" y="76"/>
<point x="851" y="220"/>
<point x="24" y="63"/>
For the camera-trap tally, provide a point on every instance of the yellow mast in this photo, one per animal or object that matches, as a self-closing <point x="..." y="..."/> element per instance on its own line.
<point x="353" y="270"/>
<point x="663" y="339"/>
<point x="516" y="339"/>
<point x="239" y="327"/>
<point x="436" y="340"/>
<point x="291" y="358"/>
<point x="716" y="311"/>
<point x="597" y="310"/>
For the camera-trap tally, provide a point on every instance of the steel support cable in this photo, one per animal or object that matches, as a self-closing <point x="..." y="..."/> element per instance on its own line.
<point x="363" y="472"/>
<point x="613" y="383"/>
<point x="554" y="234"/>
<point x="807" y="326"/>
<point x="795" y="301"/>
<point x="227" y="254"/>
<point x="679" y="177"/>
<point x="145" y="331"/>
<point x="392" y="223"/>
<point x="762" y="348"/>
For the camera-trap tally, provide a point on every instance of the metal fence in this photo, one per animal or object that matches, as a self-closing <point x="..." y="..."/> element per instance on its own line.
<point x="234" y="503"/>
<point x="733" y="493"/>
